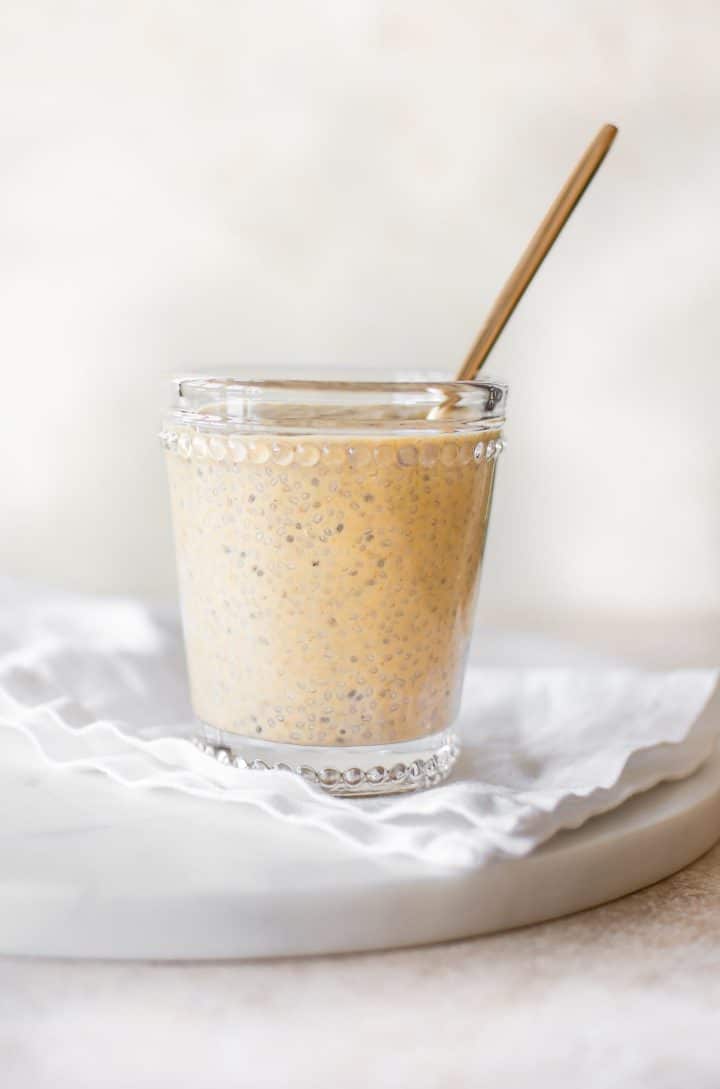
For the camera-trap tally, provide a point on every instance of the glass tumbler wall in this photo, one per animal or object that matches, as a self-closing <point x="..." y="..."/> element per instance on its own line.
<point x="329" y="537"/>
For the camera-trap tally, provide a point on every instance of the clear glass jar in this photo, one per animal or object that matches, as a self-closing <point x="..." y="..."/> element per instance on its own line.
<point x="329" y="537"/>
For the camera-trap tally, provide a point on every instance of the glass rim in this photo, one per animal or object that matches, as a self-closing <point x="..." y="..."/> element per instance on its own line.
<point x="296" y="405"/>
<point x="236" y="384"/>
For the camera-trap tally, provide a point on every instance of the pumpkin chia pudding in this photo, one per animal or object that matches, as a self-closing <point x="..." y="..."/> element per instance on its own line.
<point x="328" y="583"/>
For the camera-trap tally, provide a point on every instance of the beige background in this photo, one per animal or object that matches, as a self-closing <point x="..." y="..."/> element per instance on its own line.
<point x="209" y="185"/>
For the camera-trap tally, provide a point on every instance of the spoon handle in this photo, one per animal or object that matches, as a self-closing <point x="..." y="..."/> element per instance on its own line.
<point x="537" y="249"/>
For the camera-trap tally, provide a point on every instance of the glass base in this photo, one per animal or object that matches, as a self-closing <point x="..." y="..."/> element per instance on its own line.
<point x="356" y="771"/>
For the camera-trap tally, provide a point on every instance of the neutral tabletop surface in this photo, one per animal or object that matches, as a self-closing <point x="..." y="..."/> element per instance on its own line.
<point x="625" y="995"/>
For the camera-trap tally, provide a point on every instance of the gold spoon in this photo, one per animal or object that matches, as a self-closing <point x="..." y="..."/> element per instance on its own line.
<point x="538" y="247"/>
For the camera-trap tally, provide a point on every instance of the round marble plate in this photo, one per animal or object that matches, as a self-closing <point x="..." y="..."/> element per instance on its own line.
<point x="89" y="868"/>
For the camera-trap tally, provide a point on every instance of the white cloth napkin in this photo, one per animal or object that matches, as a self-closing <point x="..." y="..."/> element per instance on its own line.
<point x="99" y="684"/>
